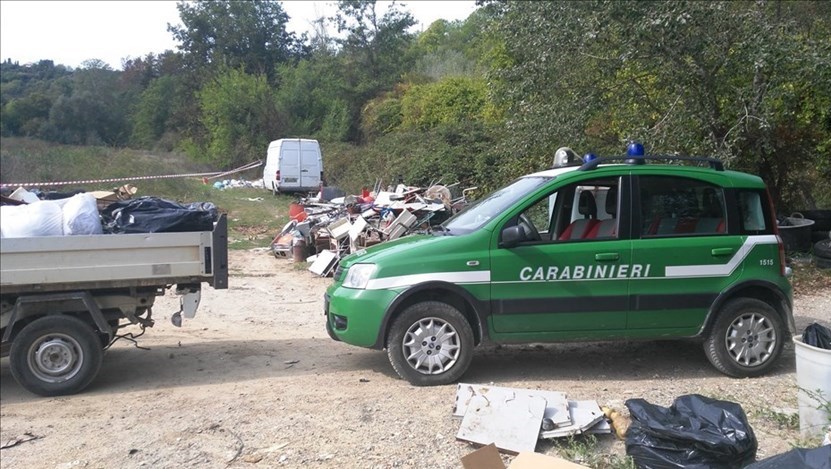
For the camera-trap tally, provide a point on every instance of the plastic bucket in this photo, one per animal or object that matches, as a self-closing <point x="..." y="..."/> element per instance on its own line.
<point x="796" y="233"/>
<point x="813" y="376"/>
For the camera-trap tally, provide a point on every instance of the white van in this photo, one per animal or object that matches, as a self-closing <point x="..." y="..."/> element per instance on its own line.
<point x="293" y="165"/>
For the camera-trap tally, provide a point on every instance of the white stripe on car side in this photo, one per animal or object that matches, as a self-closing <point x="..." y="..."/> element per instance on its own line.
<point x="721" y="270"/>
<point x="482" y="276"/>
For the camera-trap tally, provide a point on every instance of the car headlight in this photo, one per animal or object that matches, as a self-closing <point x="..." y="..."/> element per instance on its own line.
<point x="358" y="276"/>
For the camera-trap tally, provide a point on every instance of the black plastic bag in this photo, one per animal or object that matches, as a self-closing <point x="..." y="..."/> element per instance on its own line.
<point x="798" y="458"/>
<point x="154" y="215"/>
<point x="818" y="336"/>
<point x="695" y="432"/>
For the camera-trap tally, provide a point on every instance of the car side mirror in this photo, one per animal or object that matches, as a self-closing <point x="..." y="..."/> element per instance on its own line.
<point x="513" y="235"/>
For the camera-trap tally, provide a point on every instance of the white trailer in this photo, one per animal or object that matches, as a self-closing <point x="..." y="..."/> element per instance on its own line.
<point x="63" y="298"/>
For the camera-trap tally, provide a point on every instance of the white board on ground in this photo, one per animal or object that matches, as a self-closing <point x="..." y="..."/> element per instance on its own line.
<point x="556" y="408"/>
<point x="511" y="422"/>
<point x="323" y="264"/>
<point x="584" y="416"/>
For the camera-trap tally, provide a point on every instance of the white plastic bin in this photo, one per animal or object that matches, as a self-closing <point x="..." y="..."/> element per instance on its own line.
<point x="813" y="373"/>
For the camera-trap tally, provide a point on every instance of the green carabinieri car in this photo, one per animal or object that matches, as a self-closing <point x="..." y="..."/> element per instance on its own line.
<point x="590" y="252"/>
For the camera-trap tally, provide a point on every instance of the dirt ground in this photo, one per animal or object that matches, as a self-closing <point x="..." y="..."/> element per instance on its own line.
<point x="254" y="381"/>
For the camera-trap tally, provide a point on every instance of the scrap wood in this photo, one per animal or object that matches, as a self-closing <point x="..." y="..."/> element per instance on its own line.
<point x="28" y="436"/>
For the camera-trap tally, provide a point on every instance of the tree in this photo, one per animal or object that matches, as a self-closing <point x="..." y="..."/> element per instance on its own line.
<point x="250" y="35"/>
<point x="715" y="78"/>
<point x="451" y="100"/>
<point x="373" y="51"/>
<point x="240" y="117"/>
<point x="311" y="95"/>
<point x="96" y="110"/>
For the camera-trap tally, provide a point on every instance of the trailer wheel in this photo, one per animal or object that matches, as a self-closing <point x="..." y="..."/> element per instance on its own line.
<point x="56" y="355"/>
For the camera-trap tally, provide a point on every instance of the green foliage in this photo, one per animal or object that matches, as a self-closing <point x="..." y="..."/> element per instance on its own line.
<point x="584" y="450"/>
<point x="95" y="112"/>
<point x="453" y="48"/>
<point x="457" y="99"/>
<point x="155" y="109"/>
<point x="484" y="99"/>
<point x="737" y="80"/>
<point x="311" y="96"/>
<point x="250" y="35"/>
<point x="240" y="117"/>
<point x="450" y="153"/>
<point x="373" y="52"/>
<point x="381" y="116"/>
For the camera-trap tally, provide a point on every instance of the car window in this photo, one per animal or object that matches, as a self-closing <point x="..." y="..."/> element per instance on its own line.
<point x="587" y="210"/>
<point x="494" y="204"/>
<point x="752" y="212"/>
<point x="676" y="206"/>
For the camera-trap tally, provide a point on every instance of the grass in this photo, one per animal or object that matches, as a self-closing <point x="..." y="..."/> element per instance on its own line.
<point x="255" y="217"/>
<point x="583" y="449"/>
<point x="783" y="420"/>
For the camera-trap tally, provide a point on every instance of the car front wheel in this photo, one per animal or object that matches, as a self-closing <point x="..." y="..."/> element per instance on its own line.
<point x="430" y="344"/>
<point x="746" y="338"/>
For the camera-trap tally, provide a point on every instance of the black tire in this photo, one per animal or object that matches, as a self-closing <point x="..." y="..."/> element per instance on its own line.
<point x="434" y="319"/>
<point x="274" y="190"/>
<point x="822" y="262"/>
<point x="741" y="322"/>
<point x="823" y="249"/>
<point x="56" y="355"/>
<point x="817" y="236"/>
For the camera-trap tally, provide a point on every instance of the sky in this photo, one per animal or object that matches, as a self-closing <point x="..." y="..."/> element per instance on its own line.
<point x="70" y="32"/>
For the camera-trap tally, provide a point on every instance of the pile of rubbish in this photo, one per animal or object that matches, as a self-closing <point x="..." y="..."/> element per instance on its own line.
<point x="695" y="431"/>
<point x="332" y="225"/>
<point x="27" y="214"/>
<point x="237" y="183"/>
<point x="514" y="419"/>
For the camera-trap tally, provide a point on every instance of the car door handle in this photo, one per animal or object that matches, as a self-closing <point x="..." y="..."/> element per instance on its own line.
<point x="722" y="251"/>
<point x="607" y="256"/>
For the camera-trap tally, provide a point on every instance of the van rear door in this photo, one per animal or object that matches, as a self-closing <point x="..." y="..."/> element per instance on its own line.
<point x="290" y="164"/>
<point x="310" y="164"/>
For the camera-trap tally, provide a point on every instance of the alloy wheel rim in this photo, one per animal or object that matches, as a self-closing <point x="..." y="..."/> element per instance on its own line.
<point x="750" y="339"/>
<point x="431" y="346"/>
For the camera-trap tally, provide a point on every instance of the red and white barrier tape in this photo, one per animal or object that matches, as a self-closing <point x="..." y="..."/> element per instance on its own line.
<point x="211" y="175"/>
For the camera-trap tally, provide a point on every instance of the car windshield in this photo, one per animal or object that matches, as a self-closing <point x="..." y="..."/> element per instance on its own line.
<point x="476" y="215"/>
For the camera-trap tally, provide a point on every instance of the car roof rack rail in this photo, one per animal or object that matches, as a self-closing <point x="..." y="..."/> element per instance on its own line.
<point x="713" y="163"/>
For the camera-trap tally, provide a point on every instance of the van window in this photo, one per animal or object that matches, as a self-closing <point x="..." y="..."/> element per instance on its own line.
<point x="675" y="206"/>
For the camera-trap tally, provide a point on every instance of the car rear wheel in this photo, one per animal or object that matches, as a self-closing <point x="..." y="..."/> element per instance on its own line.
<point x="746" y="338"/>
<point x="430" y="344"/>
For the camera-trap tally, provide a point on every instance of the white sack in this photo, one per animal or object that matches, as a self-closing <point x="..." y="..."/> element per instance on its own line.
<point x="43" y="218"/>
<point x="80" y="215"/>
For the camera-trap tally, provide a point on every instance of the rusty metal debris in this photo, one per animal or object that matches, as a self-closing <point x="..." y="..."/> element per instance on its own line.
<point x="322" y="231"/>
